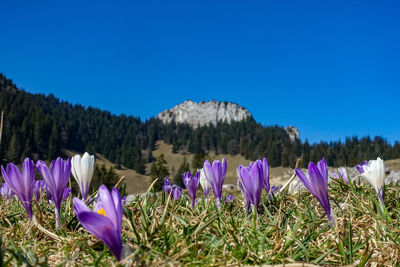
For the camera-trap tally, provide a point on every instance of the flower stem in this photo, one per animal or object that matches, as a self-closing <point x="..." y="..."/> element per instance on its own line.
<point x="58" y="219"/>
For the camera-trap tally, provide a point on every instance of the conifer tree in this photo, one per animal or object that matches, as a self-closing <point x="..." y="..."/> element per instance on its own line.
<point x="54" y="143"/>
<point x="198" y="160"/>
<point x="159" y="169"/>
<point x="14" y="149"/>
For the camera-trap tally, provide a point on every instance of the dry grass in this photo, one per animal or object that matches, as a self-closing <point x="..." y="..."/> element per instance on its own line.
<point x="137" y="183"/>
<point x="175" y="160"/>
<point x="287" y="229"/>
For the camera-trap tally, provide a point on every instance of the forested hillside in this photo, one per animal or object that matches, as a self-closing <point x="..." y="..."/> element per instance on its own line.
<point x="39" y="126"/>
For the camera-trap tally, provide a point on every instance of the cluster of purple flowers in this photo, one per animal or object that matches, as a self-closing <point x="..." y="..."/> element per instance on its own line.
<point x="211" y="176"/>
<point x="174" y="190"/>
<point x="252" y="180"/>
<point x="24" y="186"/>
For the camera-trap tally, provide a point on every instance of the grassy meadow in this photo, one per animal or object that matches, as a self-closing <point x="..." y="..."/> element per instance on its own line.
<point x="159" y="231"/>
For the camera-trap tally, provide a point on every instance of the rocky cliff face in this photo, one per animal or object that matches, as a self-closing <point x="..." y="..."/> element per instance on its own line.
<point x="293" y="132"/>
<point x="203" y="113"/>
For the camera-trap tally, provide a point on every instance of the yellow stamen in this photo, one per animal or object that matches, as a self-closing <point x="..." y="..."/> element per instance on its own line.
<point x="102" y="212"/>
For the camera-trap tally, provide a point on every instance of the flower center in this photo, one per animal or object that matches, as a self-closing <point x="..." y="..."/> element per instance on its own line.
<point x="102" y="212"/>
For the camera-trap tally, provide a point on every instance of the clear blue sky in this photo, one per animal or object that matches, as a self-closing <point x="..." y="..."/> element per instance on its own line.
<point x="330" y="68"/>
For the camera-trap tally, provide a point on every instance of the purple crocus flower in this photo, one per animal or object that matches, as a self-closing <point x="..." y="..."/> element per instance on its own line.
<point x="167" y="186"/>
<point x="21" y="184"/>
<point x="275" y="189"/>
<point x="123" y="200"/>
<point x="318" y="184"/>
<point x="191" y="184"/>
<point x="360" y="168"/>
<point x="39" y="186"/>
<point x="341" y="174"/>
<point x="105" y="221"/>
<point x="215" y="175"/>
<point x="56" y="178"/>
<point x="251" y="182"/>
<point x="67" y="191"/>
<point x="176" y="192"/>
<point x="230" y="198"/>
<point x="5" y="191"/>
<point x="48" y="193"/>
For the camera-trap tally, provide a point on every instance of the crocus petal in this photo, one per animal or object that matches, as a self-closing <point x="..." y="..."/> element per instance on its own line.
<point x="303" y="178"/>
<point x="13" y="178"/>
<point x="323" y="169"/>
<point x="116" y="196"/>
<point x="75" y="167"/>
<point x="224" y="167"/>
<point x="87" y="166"/>
<point x="204" y="183"/>
<point x="265" y="170"/>
<point x="28" y="176"/>
<point x="106" y="202"/>
<point x="80" y="206"/>
<point x="47" y="176"/>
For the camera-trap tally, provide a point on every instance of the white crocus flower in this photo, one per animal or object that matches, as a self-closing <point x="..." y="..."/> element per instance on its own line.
<point x="82" y="170"/>
<point x="374" y="173"/>
<point x="204" y="183"/>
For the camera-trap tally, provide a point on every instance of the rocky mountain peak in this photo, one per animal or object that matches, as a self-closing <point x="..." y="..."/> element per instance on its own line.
<point x="293" y="132"/>
<point x="203" y="113"/>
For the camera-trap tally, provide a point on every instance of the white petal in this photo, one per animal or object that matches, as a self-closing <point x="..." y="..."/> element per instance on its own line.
<point x="203" y="180"/>
<point x="75" y="167"/>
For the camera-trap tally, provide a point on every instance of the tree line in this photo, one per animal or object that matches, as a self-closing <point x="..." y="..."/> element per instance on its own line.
<point x="42" y="126"/>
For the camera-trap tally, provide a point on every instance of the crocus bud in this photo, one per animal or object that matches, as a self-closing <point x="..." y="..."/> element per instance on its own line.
<point x="82" y="170"/>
